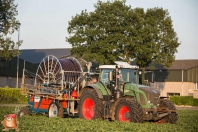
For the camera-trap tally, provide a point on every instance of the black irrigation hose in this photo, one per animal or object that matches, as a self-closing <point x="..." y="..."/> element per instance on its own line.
<point x="54" y="66"/>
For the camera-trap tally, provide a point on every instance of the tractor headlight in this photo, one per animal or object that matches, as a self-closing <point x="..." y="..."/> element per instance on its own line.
<point x="151" y="104"/>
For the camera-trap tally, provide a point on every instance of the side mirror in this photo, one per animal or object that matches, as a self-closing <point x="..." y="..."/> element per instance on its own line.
<point x="110" y="76"/>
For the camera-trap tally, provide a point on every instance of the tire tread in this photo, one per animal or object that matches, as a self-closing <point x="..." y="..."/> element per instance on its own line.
<point x="92" y="94"/>
<point x="172" y="117"/>
<point x="137" y="112"/>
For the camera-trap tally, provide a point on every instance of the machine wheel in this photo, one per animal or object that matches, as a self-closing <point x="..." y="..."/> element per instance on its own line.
<point x="24" y="111"/>
<point x="172" y="117"/>
<point x="90" y="106"/>
<point x="128" y="110"/>
<point x="55" y="110"/>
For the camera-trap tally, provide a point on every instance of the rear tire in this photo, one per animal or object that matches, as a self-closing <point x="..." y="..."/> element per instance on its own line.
<point x="55" y="110"/>
<point x="128" y="110"/>
<point x="90" y="106"/>
<point x="24" y="111"/>
<point x="172" y="117"/>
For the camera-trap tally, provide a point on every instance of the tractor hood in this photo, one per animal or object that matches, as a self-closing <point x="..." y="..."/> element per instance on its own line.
<point x="151" y="94"/>
<point x="147" y="96"/>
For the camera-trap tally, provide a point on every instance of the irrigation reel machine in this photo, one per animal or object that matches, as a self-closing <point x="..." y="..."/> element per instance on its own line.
<point x="56" y="86"/>
<point x="61" y="87"/>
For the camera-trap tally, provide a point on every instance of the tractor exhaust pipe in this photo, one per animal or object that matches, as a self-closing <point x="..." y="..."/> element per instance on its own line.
<point x="117" y="92"/>
<point x="117" y="78"/>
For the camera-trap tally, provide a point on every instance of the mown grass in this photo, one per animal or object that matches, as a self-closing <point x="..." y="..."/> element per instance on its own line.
<point x="187" y="122"/>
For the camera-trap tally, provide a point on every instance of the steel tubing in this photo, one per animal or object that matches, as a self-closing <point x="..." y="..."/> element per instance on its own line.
<point x="50" y="70"/>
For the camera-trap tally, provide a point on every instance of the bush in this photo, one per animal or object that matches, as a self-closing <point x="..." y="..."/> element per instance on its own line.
<point x="195" y="103"/>
<point x="184" y="100"/>
<point x="12" y="95"/>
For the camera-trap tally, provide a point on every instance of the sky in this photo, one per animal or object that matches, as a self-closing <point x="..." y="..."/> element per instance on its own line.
<point x="44" y="22"/>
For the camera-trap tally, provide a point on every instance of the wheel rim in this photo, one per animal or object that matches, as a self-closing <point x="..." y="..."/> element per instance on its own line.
<point x="21" y="114"/>
<point x="162" y="121"/>
<point x="88" y="109"/>
<point x="53" y="111"/>
<point x="124" y="114"/>
<point x="49" y="71"/>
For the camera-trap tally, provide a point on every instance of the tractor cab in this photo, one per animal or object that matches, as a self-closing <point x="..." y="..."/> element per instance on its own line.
<point x="119" y="74"/>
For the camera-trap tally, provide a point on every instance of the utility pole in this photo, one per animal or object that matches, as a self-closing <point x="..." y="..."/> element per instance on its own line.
<point x="17" y="82"/>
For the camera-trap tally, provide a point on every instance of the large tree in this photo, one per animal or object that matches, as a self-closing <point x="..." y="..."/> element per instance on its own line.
<point x="100" y="35"/>
<point x="8" y="25"/>
<point x="116" y="30"/>
<point x="156" y="40"/>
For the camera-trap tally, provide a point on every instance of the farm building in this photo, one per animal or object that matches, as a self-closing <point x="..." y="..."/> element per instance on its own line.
<point x="179" y="79"/>
<point x="28" y="59"/>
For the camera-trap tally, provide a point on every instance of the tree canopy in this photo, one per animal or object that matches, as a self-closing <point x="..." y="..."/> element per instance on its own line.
<point x="8" y="25"/>
<point x="116" y="30"/>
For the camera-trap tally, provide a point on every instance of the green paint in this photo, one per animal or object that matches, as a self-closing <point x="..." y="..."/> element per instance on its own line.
<point x="133" y="90"/>
<point x="104" y="90"/>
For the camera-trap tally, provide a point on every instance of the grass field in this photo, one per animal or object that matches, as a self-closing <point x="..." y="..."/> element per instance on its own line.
<point x="187" y="122"/>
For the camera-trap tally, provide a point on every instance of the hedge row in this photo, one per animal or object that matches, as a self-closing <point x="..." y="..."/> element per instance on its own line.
<point x="184" y="100"/>
<point x="12" y="95"/>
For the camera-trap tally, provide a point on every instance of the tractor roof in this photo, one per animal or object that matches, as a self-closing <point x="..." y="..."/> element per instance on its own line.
<point x="120" y="64"/>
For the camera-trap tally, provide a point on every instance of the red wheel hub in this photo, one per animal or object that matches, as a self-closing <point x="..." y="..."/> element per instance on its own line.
<point x="162" y="121"/>
<point x="124" y="114"/>
<point x="88" y="109"/>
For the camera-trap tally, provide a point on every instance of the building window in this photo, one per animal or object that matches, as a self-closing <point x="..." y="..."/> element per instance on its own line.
<point x="173" y="94"/>
<point x="190" y="94"/>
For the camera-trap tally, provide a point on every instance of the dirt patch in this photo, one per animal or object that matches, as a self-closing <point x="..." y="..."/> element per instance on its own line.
<point x="183" y="107"/>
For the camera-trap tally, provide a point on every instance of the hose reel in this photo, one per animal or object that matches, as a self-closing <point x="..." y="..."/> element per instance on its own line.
<point x="54" y="71"/>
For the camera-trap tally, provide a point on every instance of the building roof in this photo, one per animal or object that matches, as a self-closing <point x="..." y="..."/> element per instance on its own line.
<point x="180" y="65"/>
<point x="36" y="55"/>
<point x="120" y="64"/>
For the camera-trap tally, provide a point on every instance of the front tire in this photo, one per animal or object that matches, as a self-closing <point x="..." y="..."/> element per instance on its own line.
<point x="172" y="117"/>
<point x="128" y="110"/>
<point x="90" y="106"/>
<point x="55" y="110"/>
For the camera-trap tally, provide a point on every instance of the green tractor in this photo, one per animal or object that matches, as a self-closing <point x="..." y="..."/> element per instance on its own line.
<point x="61" y="87"/>
<point x="117" y="95"/>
